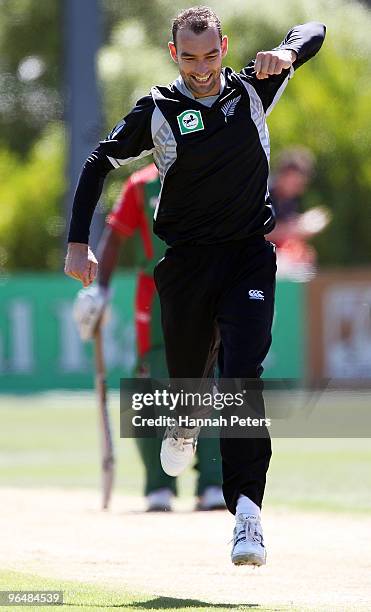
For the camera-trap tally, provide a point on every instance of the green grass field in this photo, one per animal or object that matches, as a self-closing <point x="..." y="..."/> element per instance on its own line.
<point x="93" y="599"/>
<point x="51" y="439"/>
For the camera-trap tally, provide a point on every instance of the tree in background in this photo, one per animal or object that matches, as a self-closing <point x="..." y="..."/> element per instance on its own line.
<point x="30" y="191"/>
<point x="31" y="135"/>
<point x="30" y="71"/>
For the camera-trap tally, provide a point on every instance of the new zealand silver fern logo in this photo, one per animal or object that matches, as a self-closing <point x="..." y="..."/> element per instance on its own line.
<point x="229" y="107"/>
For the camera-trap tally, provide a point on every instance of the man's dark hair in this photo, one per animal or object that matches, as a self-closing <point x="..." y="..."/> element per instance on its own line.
<point x="197" y="19"/>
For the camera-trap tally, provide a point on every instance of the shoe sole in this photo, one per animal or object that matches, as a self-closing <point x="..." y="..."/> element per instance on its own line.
<point x="171" y="468"/>
<point x="248" y="560"/>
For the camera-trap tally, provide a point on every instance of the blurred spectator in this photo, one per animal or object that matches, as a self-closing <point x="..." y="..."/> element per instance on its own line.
<point x="296" y="258"/>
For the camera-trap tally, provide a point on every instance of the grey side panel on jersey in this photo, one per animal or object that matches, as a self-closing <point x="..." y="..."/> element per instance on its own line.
<point x="116" y="163"/>
<point x="165" y="151"/>
<point x="280" y="92"/>
<point x="258" y="117"/>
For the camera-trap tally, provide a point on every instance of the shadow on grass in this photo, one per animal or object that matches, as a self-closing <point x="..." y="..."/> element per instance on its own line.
<point x="164" y="603"/>
<point x="167" y="603"/>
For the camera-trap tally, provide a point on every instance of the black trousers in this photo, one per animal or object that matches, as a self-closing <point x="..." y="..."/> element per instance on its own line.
<point x="230" y="286"/>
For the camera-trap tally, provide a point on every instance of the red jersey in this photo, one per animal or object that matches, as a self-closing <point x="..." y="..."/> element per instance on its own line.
<point x="132" y="214"/>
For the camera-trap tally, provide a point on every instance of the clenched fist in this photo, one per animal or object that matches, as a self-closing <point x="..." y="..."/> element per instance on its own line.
<point x="268" y="63"/>
<point x="81" y="263"/>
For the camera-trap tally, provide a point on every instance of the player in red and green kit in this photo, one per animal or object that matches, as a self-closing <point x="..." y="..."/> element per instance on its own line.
<point x="131" y="217"/>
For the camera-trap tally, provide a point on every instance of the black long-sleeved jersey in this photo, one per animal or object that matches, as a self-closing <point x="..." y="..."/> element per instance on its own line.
<point x="212" y="154"/>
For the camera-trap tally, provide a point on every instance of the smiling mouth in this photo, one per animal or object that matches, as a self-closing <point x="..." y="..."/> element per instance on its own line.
<point x="202" y="80"/>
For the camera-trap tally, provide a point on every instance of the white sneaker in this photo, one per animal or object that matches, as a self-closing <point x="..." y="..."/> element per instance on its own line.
<point x="248" y="544"/>
<point x="178" y="448"/>
<point x="211" y="499"/>
<point x="159" y="500"/>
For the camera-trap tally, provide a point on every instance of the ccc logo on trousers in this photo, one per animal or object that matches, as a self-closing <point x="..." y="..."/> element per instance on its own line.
<point x="256" y="294"/>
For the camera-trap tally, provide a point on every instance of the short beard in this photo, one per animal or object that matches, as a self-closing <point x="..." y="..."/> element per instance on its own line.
<point x="204" y="94"/>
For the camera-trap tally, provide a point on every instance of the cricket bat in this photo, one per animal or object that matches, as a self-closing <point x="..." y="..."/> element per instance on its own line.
<point x="108" y="460"/>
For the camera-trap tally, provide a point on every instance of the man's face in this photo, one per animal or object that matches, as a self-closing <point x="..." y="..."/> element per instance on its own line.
<point x="199" y="57"/>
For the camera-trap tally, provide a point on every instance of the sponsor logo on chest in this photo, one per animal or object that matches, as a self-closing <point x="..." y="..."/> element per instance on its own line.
<point x="190" y="121"/>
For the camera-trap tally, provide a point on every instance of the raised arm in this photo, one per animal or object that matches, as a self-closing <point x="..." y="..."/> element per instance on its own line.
<point x="305" y="39"/>
<point x="271" y="70"/>
<point x="129" y="140"/>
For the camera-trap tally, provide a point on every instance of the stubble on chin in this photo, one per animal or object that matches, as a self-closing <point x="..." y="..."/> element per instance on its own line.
<point x="201" y="92"/>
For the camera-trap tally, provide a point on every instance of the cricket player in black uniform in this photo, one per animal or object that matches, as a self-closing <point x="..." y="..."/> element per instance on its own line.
<point x="209" y="139"/>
